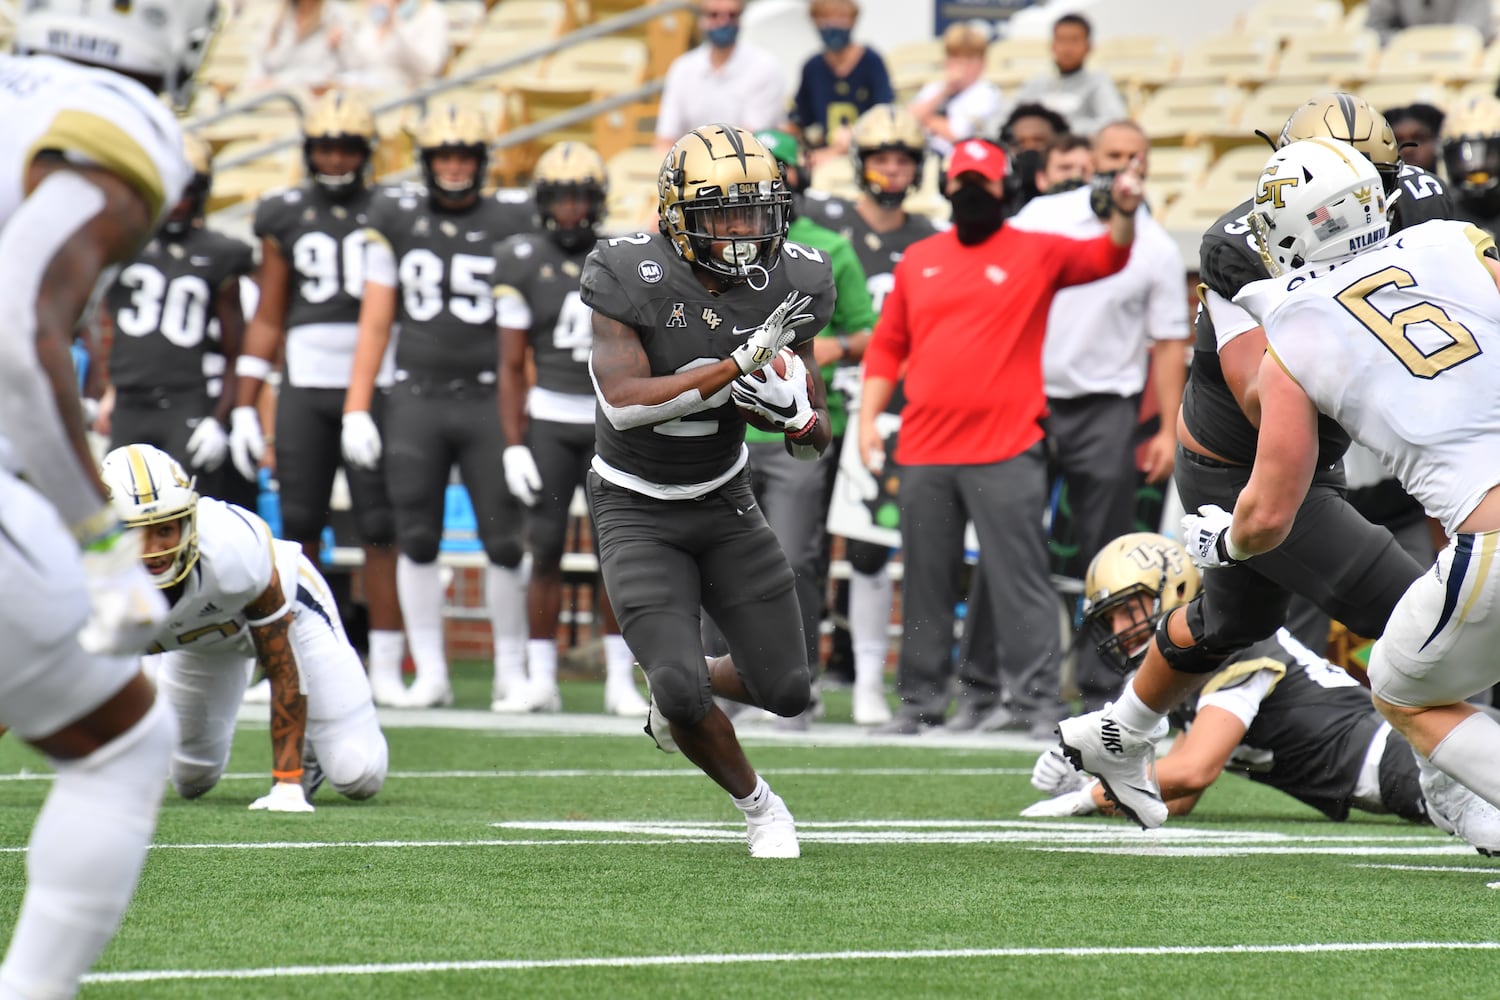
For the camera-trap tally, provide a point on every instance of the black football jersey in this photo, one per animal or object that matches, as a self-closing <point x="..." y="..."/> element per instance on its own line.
<point x="1228" y="261"/>
<point x="323" y="242"/>
<point x="517" y="211"/>
<point x="878" y="252"/>
<point x="161" y="304"/>
<point x="545" y="277"/>
<point x="445" y="281"/>
<point x="1313" y="730"/>
<point x="640" y="281"/>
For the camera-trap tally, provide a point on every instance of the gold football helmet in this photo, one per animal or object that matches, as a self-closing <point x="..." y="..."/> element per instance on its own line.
<point x="886" y="127"/>
<point x="453" y="128"/>
<point x="146" y="487"/>
<point x="722" y="201"/>
<point x="571" y="168"/>
<point x="341" y="120"/>
<point x="1471" y="148"/>
<point x="1142" y="575"/>
<point x="1354" y="120"/>
<point x="195" y="196"/>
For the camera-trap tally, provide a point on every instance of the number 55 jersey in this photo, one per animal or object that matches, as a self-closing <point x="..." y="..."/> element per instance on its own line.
<point x="1401" y="346"/>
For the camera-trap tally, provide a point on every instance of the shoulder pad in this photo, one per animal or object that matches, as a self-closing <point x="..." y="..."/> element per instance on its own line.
<point x="236" y="545"/>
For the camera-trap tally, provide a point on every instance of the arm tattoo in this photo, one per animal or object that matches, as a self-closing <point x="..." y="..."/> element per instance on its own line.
<point x="273" y="649"/>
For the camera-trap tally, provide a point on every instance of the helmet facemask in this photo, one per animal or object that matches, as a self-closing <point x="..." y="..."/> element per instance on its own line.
<point x="581" y="234"/>
<point x="342" y="186"/>
<point x="1124" y="651"/>
<point x="733" y="234"/>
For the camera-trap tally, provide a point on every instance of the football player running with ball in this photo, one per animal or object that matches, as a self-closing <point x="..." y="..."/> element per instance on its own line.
<point x="683" y="322"/>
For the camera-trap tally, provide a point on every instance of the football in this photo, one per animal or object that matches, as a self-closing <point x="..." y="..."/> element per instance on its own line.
<point x="778" y="365"/>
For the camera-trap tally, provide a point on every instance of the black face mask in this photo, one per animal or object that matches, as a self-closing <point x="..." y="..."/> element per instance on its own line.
<point x="977" y="214"/>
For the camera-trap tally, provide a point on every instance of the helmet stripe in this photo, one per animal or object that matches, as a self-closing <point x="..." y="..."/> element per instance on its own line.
<point x="140" y="476"/>
<point x="1349" y="110"/>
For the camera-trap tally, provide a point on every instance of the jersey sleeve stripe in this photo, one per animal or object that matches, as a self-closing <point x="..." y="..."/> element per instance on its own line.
<point x="108" y="145"/>
<point x="1236" y="672"/>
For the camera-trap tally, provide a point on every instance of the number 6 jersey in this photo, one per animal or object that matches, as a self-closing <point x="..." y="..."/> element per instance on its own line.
<point x="1401" y="345"/>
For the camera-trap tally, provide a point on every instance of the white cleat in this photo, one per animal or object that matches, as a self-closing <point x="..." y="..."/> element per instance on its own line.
<point x="1456" y="810"/>
<point x="1122" y="761"/>
<point x="772" y="832"/>
<point x="387" y="692"/>
<point x="659" y="729"/>
<point x="428" y="694"/>
<point x="870" y="706"/>
<point x="528" y="699"/>
<point x="624" y="700"/>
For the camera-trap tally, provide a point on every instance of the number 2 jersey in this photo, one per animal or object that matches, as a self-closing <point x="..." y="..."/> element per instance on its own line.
<point x="640" y="281"/>
<point x="1229" y="260"/>
<point x="162" y="307"/>
<point x="538" y="291"/>
<point x="1400" y="345"/>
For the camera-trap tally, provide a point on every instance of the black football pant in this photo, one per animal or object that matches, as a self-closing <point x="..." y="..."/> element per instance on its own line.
<point x="309" y="430"/>
<point x="562" y="453"/>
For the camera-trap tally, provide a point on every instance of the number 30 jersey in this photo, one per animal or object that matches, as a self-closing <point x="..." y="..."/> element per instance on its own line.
<point x="323" y="243"/>
<point x="537" y="291"/>
<point x="1401" y="345"/>
<point x="161" y="304"/>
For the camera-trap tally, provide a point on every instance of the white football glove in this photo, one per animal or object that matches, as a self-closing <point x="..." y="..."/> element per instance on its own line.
<point x="521" y="474"/>
<point x="1206" y="535"/>
<point x="1079" y="803"/>
<point x="361" y="440"/>
<point x="246" y="442"/>
<point x="1054" y="774"/>
<point x="778" y="331"/>
<point x="284" y="797"/>
<point x="781" y="399"/>
<point x="127" y="608"/>
<point x="208" y="445"/>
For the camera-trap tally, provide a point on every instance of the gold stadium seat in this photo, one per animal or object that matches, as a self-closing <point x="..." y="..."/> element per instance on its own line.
<point x="1187" y="113"/>
<point x="1232" y="59"/>
<point x="1268" y="108"/>
<point x="489" y="48"/>
<point x="584" y="73"/>
<point x="632" y="189"/>
<point x="1346" y="57"/>
<point x="912" y="66"/>
<point x="1238" y="169"/>
<point x="530" y="16"/>
<point x="1355" y="19"/>
<point x="1142" y="61"/>
<point x="1200" y="208"/>
<point x="1278" y="19"/>
<point x="1175" y="169"/>
<point x="1449" y="53"/>
<point x="1010" y="62"/>
<point x="1399" y="93"/>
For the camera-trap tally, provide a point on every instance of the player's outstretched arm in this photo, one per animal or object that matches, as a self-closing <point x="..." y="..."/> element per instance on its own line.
<point x="1286" y="456"/>
<point x="631" y="396"/>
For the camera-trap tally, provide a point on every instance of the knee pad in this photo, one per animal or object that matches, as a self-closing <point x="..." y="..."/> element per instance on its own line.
<point x="791" y="695"/>
<point x="867" y="557"/>
<point x="420" y="546"/>
<point x="376" y="526"/>
<point x="505" y="551"/>
<point x="1199" y="658"/>
<point x="298" y="521"/>
<point x="681" y="693"/>
<point x="363" y="783"/>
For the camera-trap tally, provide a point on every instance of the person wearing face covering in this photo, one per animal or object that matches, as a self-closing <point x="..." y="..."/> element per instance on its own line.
<point x="722" y="80"/>
<point x="838" y="84"/>
<point x="396" y="44"/>
<point x="965" y="319"/>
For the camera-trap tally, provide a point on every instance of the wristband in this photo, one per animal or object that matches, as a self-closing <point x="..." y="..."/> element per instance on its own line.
<point x="98" y="530"/>
<point x="807" y="428"/>
<point x="1233" y="551"/>
<point x="843" y="343"/>
<point x="249" y="366"/>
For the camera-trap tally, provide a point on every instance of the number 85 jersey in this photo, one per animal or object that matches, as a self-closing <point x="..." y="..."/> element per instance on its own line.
<point x="1401" y="345"/>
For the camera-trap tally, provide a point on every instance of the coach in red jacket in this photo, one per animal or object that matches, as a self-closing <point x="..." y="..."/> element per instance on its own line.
<point x="966" y="319"/>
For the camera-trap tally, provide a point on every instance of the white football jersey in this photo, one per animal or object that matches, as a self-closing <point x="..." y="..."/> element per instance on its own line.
<point x="91" y="116"/>
<point x="1401" y="345"/>
<point x="236" y="554"/>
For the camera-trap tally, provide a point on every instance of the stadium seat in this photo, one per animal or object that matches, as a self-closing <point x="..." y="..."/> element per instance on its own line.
<point x="1449" y="53"/>
<point x="1175" y="169"/>
<point x="1349" y="58"/>
<point x="1268" y="108"/>
<point x="530" y="17"/>
<point x="1010" y="62"/>
<point x="1187" y="113"/>
<point x="1238" y="169"/>
<point x="911" y="66"/>
<point x="606" y="64"/>
<point x="1278" y="19"/>
<point x="1231" y="59"/>
<point x="585" y="73"/>
<point x="1354" y="20"/>
<point x="632" y="189"/>
<point x="1399" y="93"/>
<point x="1198" y="209"/>
<point x="1142" y="61"/>
<point x="490" y="48"/>
<point x="836" y="176"/>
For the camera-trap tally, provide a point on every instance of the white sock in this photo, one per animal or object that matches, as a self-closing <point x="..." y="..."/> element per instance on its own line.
<point x="505" y="595"/>
<point x="869" y="625"/>
<point x="86" y="853"/>
<point x="1135" y="715"/>
<point x="757" y="801"/>
<point x="387" y="649"/>
<point x="619" y="663"/>
<point x="541" y="662"/>
<point x="419" y="588"/>
<point x="1468" y="754"/>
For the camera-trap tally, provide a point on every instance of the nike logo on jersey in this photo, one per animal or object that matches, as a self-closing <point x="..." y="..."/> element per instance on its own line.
<point x="747" y="510"/>
<point x="198" y="261"/>
<point x="928" y="272"/>
<point x="473" y="237"/>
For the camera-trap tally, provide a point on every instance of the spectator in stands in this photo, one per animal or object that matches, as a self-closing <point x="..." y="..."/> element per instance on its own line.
<point x="1386" y="17"/>
<point x="722" y="80"/>
<point x="963" y="103"/>
<point x="1026" y="134"/>
<point x="301" y="47"/>
<point x="1067" y="163"/>
<point x="1086" y="98"/>
<point x="839" y="84"/>
<point x="396" y="45"/>
<point x="967" y="317"/>
<point x="1417" y="127"/>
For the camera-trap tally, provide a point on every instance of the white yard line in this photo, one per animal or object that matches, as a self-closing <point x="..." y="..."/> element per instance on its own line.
<point x="644" y="961"/>
<point x="660" y="772"/>
<point x="1495" y="870"/>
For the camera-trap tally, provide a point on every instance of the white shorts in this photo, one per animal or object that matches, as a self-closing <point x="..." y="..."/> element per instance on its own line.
<point x="205" y="690"/>
<point x="1442" y="644"/>
<point x="46" y="679"/>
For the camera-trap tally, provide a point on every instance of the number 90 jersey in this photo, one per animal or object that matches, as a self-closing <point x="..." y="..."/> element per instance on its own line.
<point x="1401" y="345"/>
<point x="640" y="281"/>
<point x="442" y="265"/>
<point x="537" y="291"/>
<point x="162" y="303"/>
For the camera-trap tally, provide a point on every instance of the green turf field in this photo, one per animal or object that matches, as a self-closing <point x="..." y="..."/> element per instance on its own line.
<point x="529" y="862"/>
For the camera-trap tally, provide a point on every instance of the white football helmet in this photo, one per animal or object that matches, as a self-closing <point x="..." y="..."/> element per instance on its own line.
<point x="147" y="486"/>
<point x="1317" y="200"/>
<point x="151" y="38"/>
